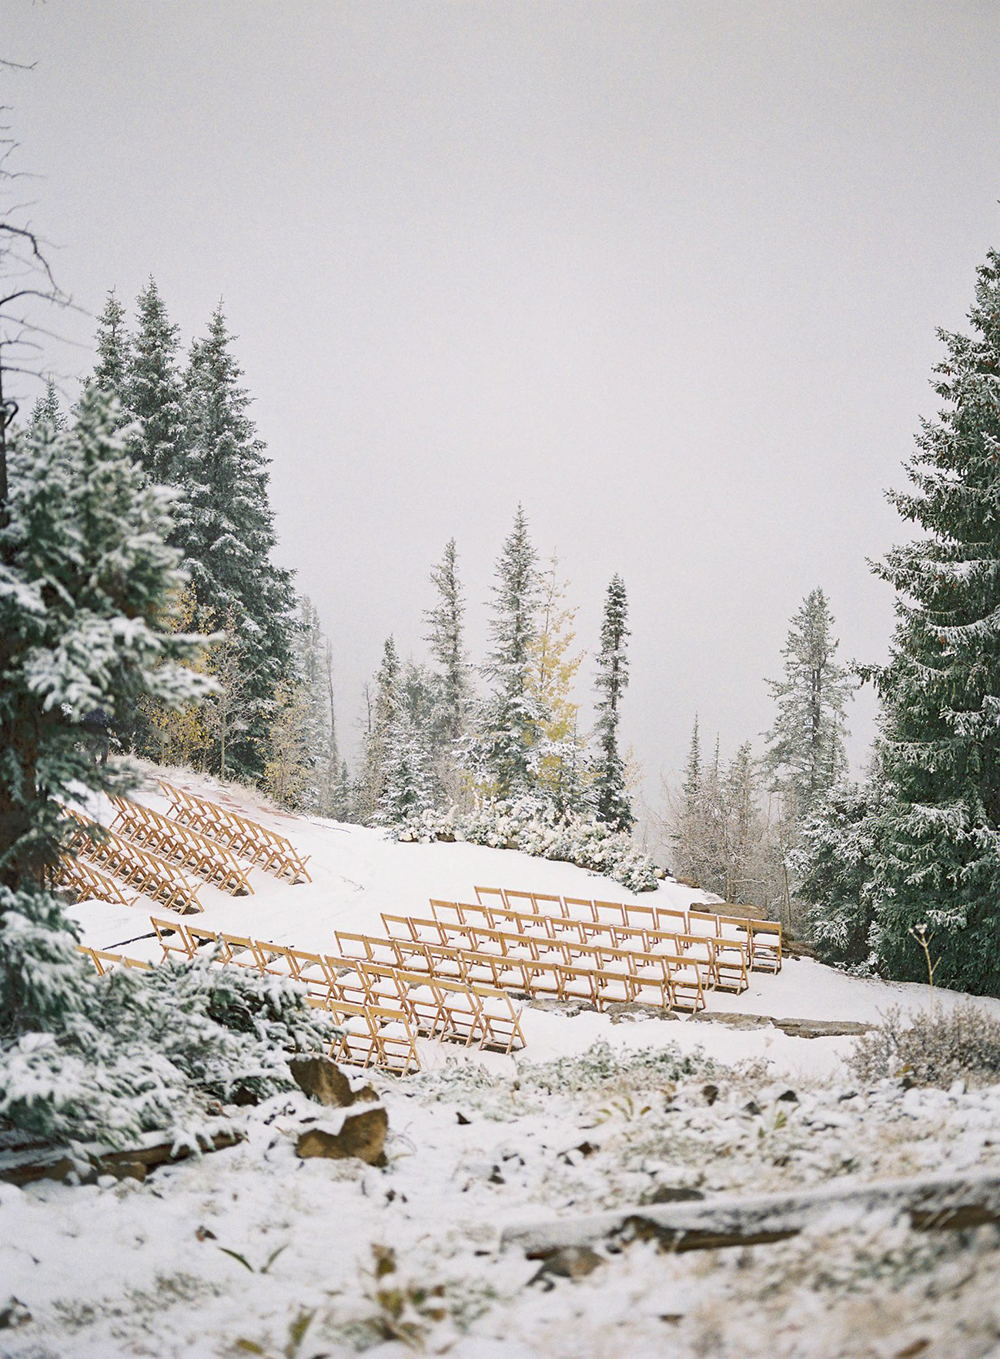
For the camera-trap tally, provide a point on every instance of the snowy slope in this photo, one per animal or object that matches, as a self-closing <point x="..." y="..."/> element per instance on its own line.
<point x="480" y="1143"/>
<point x="358" y="873"/>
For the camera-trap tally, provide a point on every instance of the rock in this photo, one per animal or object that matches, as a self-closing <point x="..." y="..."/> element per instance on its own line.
<point x="462" y="1119"/>
<point x="322" y="1080"/>
<point x="670" y="1193"/>
<point x="732" y="1019"/>
<point x="710" y="1093"/>
<point x="13" y="1314"/>
<point x="635" y="1009"/>
<point x="572" y="1262"/>
<point x="821" y="1028"/>
<point x="361" y="1135"/>
<point x="788" y="1097"/>
<point x="752" y="1108"/>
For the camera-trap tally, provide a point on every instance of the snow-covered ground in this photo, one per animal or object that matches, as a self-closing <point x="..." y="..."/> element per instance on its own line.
<point x="594" y="1114"/>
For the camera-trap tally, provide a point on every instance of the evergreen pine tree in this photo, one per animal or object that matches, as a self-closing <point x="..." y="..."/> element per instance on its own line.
<point x="153" y="393"/>
<point x="504" y="751"/>
<point x="938" y="858"/>
<point x="806" y="754"/>
<point x="111" y="373"/>
<point x="85" y="582"/>
<point x="445" y="637"/>
<point x="834" y="863"/>
<point x="46" y="409"/>
<point x="225" y="531"/>
<point x="611" y="800"/>
<point x="384" y="711"/>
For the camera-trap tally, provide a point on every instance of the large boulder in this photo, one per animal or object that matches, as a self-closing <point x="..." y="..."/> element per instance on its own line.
<point x="361" y="1135"/>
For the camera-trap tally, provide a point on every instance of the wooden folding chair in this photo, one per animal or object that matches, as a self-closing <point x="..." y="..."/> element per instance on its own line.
<point x="462" y="1012"/>
<point x="241" y="951"/>
<point x="173" y="938"/>
<point x="702" y="922"/>
<point x="449" y="912"/>
<point x="640" y="917"/>
<point x="651" y="983"/>
<point x="355" y="1044"/>
<point x="669" y="920"/>
<point x="423" y="1006"/>
<point x="614" y="976"/>
<point x="543" y="979"/>
<point x="501" y="1019"/>
<point x="685" y="981"/>
<point x="765" y="945"/>
<point x="578" y="983"/>
<point x="578" y="908"/>
<point x="519" y="901"/>
<point x="490" y="896"/>
<point x="610" y="912"/>
<point x="395" y="1041"/>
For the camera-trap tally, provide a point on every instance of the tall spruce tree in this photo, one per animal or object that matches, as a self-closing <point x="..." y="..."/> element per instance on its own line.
<point x="938" y="858"/>
<point x="383" y="712"/>
<point x="446" y="640"/>
<point x="806" y="752"/>
<point x="85" y="582"/>
<point x="504" y="752"/>
<point x="111" y="373"/>
<point x="47" y="410"/>
<point x="153" y="393"/>
<point x="611" y="800"/>
<point x="225" y="530"/>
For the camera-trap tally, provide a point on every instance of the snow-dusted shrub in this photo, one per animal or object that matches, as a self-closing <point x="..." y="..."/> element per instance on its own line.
<point x="603" y="1065"/>
<point x="931" y="1047"/>
<point x="144" y="1051"/>
<point x="535" y="826"/>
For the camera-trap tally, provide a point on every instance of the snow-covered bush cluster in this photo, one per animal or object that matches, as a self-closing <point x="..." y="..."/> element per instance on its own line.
<point x="535" y="826"/>
<point x="145" y="1051"/>
<point x="931" y="1047"/>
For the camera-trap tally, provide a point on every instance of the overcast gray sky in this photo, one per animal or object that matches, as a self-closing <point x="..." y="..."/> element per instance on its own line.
<point x="666" y="272"/>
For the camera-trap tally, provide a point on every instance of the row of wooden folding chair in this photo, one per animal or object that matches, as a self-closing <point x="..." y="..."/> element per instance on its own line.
<point x="89" y="882"/>
<point x="583" y="909"/>
<point x="725" y="960"/>
<point x="346" y="980"/>
<point x="670" y="982"/>
<point x="150" y="875"/>
<point x="270" y="850"/>
<point x="105" y="961"/>
<point x="182" y="844"/>
<point x="762" y="938"/>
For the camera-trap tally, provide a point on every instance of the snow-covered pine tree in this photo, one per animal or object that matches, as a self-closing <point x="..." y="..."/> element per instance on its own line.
<point x="112" y="371"/>
<point x="446" y="639"/>
<point x="503" y="752"/>
<point x="688" y="814"/>
<point x="806" y="752"/>
<point x="85" y="578"/>
<point x="611" y="800"/>
<point x="407" y="785"/>
<point x="563" y="766"/>
<point x="47" y="409"/>
<point x="383" y="713"/>
<point x="153" y="392"/>
<point x="938" y="858"/>
<point x="225" y="530"/>
<point x="834" y="865"/>
<point x="335" y="785"/>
